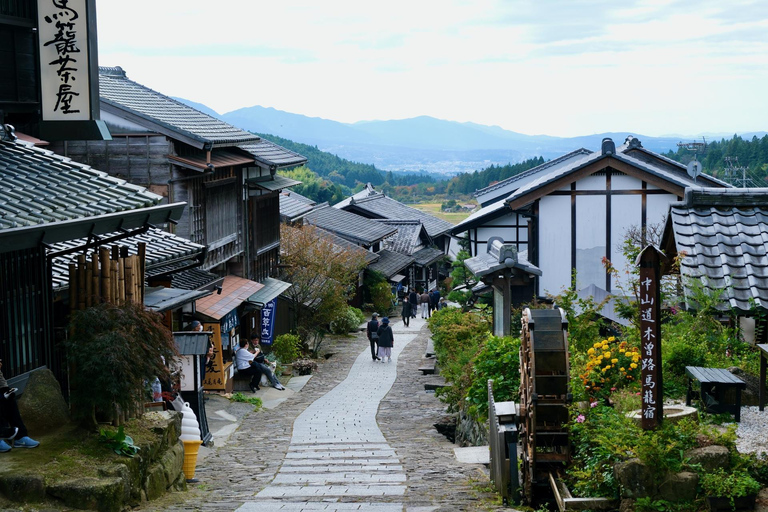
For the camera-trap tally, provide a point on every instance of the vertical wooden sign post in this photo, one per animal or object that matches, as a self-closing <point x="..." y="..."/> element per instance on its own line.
<point x="652" y="391"/>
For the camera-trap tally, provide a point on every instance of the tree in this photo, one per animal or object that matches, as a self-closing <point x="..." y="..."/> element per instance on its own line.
<point x="461" y="277"/>
<point x="323" y="277"/>
<point x="113" y="352"/>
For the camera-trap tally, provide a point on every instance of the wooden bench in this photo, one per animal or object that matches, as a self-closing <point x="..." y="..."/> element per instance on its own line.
<point x="20" y="381"/>
<point x="430" y="352"/>
<point x="428" y="365"/>
<point x="713" y="385"/>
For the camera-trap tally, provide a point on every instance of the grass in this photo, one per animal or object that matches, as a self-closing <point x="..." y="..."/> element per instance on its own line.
<point x="434" y="210"/>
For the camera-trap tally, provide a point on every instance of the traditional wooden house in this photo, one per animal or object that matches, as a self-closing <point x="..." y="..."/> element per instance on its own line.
<point x="573" y="212"/>
<point x="48" y="202"/>
<point x="719" y="238"/>
<point x="413" y="240"/>
<point x="227" y="176"/>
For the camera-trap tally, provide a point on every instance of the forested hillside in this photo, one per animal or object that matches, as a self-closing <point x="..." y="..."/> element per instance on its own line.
<point x="725" y="158"/>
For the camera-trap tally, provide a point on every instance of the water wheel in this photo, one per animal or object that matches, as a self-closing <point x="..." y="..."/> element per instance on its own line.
<point x="544" y="398"/>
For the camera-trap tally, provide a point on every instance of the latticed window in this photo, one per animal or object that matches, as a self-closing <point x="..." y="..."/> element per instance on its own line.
<point x="221" y="219"/>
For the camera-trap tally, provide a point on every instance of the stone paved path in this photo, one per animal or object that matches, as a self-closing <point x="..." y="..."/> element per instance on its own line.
<point x="358" y="436"/>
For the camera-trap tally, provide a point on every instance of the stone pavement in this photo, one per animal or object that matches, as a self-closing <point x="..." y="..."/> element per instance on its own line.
<point x="357" y="436"/>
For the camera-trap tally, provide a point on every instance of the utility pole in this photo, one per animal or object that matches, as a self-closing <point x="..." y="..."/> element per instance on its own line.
<point x="694" y="166"/>
<point x="733" y="170"/>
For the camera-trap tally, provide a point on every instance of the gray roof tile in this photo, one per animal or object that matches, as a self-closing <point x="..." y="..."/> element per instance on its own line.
<point x="117" y="90"/>
<point x="37" y="187"/>
<point x="354" y="228"/>
<point x="723" y="234"/>
<point x="291" y="207"/>
<point x="271" y="154"/>
<point x="383" y="207"/>
<point x="391" y="263"/>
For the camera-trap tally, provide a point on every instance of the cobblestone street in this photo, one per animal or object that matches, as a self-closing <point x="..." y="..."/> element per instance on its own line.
<point x="358" y="436"/>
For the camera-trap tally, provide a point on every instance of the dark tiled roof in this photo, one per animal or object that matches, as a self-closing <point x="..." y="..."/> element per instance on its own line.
<point x="164" y="251"/>
<point x="370" y="257"/>
<point x="169" y="116"/>
<point x="391" y="263"/>
<point x="723" y="234"/>
<point x="368" y="190"/>
<point x="408" y="238"/>
<point x="427" y="255"/>
<point x="292" y="208"/>
<point x="500" y="256"/>
<point x="271" y="154"/>
<point x="354" y="228"/>
<point x="194" y="279"/>
<point x="40" y="187"/>
<point x="383" y="207"/>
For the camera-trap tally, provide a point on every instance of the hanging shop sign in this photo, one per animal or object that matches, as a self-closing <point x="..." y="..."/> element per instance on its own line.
<point x="268" y="322"/>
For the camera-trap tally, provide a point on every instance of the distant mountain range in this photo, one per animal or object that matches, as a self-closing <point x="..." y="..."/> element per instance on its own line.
<point x="425" y="143"/>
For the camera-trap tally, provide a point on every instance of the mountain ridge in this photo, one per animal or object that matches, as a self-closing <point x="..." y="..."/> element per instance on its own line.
<point x="425" y="143"/>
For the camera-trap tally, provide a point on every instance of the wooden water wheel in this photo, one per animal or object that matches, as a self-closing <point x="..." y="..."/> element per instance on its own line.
<point x="544" y="398"/>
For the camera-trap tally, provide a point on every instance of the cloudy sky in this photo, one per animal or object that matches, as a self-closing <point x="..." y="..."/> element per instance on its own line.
<point x="555" y="67"/>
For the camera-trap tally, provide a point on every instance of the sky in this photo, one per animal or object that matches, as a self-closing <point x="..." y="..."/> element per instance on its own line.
<point x="554" y="67"/>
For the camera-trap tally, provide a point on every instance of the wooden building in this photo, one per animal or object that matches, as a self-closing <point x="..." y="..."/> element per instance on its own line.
<point x="570" y="213"/>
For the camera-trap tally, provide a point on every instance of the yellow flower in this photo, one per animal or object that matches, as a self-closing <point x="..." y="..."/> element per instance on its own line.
<point x="622" y="369"/>
<point x="633" y="365"/>
<point x="614" y="360"/>
<point x="591" y="351"/>
<point x="607" y="355"/>
<point x="612" y="338"/>
<point x="597" y="344"/>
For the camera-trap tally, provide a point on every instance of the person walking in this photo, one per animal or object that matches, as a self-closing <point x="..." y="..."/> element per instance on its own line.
<point x="386" y="340"/>
<point x="424" y="304"/>
<point x="406" y="312"/>
<point x="413" y="298"/>
<point x="372" y="331"/>
<point x="434" y="298"/>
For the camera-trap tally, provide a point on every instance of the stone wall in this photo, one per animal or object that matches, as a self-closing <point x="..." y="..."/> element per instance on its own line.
<point x="470" y="432"/>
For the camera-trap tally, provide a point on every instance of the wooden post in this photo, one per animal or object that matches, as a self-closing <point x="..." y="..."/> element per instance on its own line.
<point x="87" y="271"/>
<point x="116" y="299"/>
<point x="652" y="391"/>
<point x="81" y="292"/>
<point x="95" y="288"/>
<point x="142" y="256"/>
<point x="128" y="279"/>
<point x="106" y="274"/>
<point x="73" y="286"/>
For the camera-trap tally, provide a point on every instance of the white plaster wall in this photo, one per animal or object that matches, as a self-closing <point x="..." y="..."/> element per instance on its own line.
<point x="592" y="182"/>
<point x="554" y="244"/>
<point x="590" y="240"/>
<point x="626" y="212"/>
<point x="624" y="182"/>
<point x="657" y="207"/>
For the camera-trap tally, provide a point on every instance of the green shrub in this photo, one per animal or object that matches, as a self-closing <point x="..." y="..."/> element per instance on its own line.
<point x="498" y="359"/>
<point x="286" y="348"/>
<point x="723" y="484"/>
<point x="381" y="297"/>
<point x="348" y="320"/>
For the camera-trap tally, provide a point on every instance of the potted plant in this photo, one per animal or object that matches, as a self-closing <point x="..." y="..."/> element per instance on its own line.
<point x="730" y="491"/>
<point x="304" y="366"/>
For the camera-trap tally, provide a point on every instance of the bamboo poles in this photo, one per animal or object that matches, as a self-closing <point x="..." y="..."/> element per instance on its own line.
<point x="107" y="275"/>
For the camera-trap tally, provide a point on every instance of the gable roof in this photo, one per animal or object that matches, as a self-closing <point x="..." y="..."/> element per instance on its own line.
<point x="665" y="174"/>
<point x="368" y="190"/>
<point x="410" y="237"/>
<point x="722" y="234"/>
<point x="391" y="263"/>
<point x="293" y="207"/>
<point x="503" y="188"/>
<point x="383" y="207"/>
<point x="164" y="114"/>
<point x="481" y="216"/>
<point x="350" y="226"/>
<point x="500" y="256"/>
<point x="47" y="198"/>
<point x="370" y="257"/>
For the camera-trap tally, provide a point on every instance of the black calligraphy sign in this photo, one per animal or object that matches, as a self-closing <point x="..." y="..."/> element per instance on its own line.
<point x="64" y="40"/>
<point x="650" y="339"/>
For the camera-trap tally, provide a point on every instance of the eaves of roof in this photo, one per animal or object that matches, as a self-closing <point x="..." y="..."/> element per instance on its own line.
<point x="480" y="217"/>
<point x="590" y="164"/>
<point x="272" y="155"/>
<point x="220" y="158"/>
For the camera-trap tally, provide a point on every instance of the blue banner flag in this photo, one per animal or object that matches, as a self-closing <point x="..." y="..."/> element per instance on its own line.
<point x="268" y="321"/>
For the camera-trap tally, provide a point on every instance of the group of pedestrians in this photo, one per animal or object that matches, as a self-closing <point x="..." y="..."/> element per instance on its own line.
<point x="425" y="303"/>
<point x="381" y="338"/>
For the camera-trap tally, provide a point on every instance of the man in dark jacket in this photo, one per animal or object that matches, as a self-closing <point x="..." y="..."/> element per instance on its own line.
<point x="413" y="298"/>
<point x="407" y="311"/>
<point x="372" y="331"/>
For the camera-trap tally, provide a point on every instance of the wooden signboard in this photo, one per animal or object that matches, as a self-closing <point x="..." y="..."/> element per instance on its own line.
<point x="650" y="338"/>
<point x="216" y="374"/>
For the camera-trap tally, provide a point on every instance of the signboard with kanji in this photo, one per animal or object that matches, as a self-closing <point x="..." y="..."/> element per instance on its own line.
<point x="650" y="338"/>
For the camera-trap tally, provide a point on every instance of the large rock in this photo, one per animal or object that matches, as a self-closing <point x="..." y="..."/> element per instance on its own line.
<point x="42" y="405"/>
<point x="679" y="487"/>
<point x="102" y="494"/>
<point x="636" y="479"/>
<point x="710" y="457"/>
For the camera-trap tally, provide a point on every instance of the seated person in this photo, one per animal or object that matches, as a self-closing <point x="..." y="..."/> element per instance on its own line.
<point x="253" y="364"/>
<point x="263" y="364"/>
<point x="10" y="419"/>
